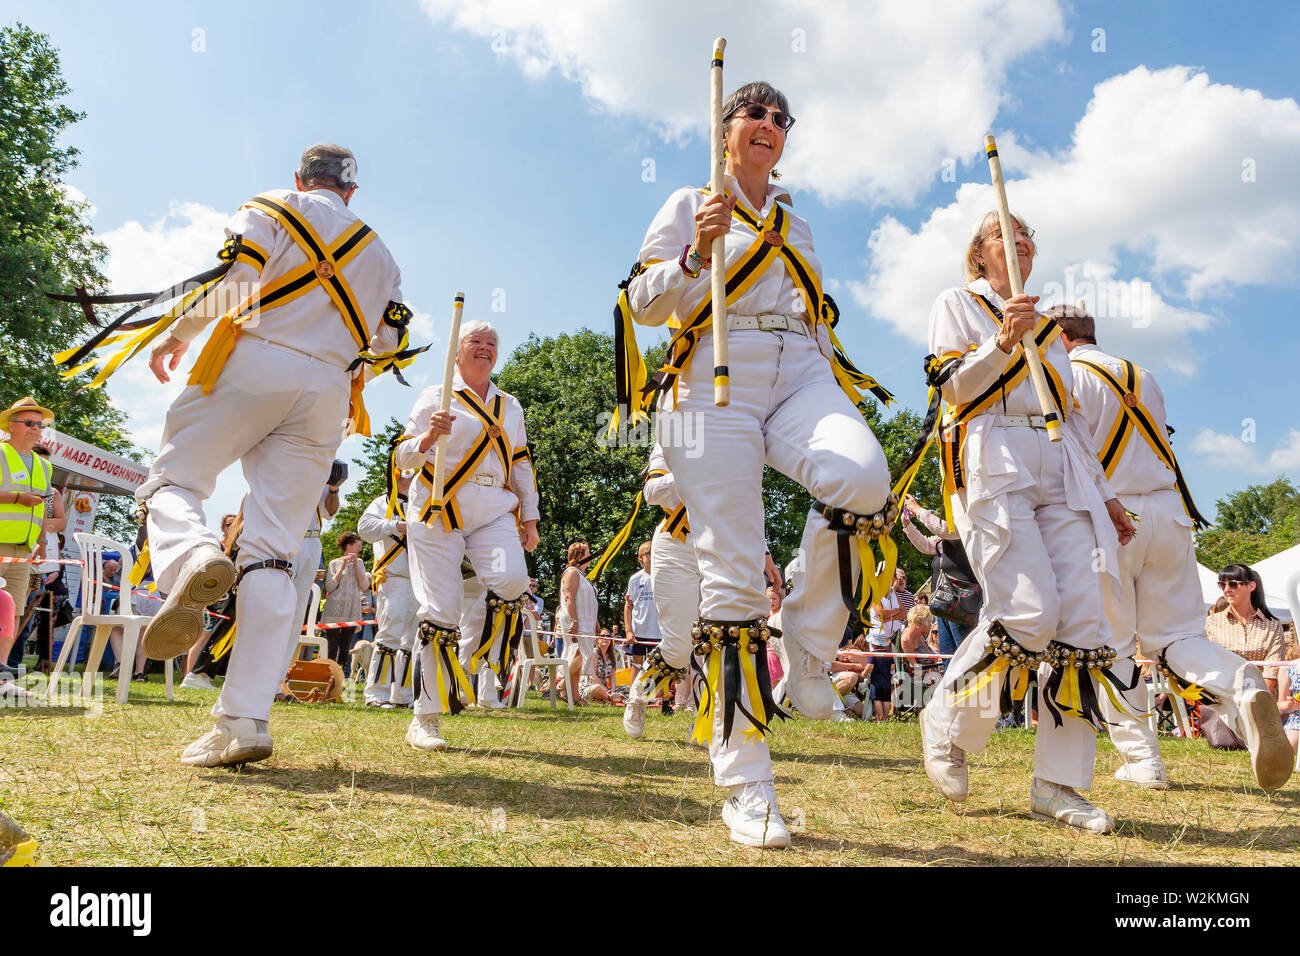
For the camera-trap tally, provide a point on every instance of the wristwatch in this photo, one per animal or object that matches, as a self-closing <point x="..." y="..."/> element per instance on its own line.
<point x="689" y="256"/>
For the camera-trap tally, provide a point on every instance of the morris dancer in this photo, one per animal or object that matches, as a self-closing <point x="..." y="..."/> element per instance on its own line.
<point x="1032" y="515"/>
<point x="788" y="408"/>
<point x="1159" y="604"/>
<point x="739" y="760"/>
<point x="389" y="676"/>
<point x="274" y="388"/>
<point x="488" y="513"/>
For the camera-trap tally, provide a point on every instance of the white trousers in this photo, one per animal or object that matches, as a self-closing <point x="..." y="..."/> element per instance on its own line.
<point x="490" y="538"/>
<point x="1043" y="588"/>
<point x="388" y="679"/>
<point x="1160" y="606"/>
<point x="675" y="581"/>
<point x="788" y="412"/>
<point x="305" y="565"/>
<point x="279" y="413"/>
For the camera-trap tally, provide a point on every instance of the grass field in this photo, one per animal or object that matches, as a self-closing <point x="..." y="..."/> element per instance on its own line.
<point x="342" y="788"/>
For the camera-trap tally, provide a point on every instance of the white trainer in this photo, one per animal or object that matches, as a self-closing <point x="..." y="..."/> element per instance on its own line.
<point x="1147" y="774"/>
<point x="945" y="762"/>
<point x="233" y="741"/>
<point x="634" y="712"/>
<point x="194" y="681"/>
<point x="425" y="732"/>
<point x="1271" y="756"/>
<point x="807" y="681"/>
<point x="1051" y="801"/>
<point x="752" y="814"/>
<point x="205" y="576"/>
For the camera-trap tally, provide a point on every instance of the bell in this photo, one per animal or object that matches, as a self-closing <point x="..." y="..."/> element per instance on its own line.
<point x="753" y="647"/>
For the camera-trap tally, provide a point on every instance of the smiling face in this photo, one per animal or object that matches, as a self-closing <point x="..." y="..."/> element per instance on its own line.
<point x="755" y="144"/>
<point x="987" y="258"/>
<point x="476" y="355"/>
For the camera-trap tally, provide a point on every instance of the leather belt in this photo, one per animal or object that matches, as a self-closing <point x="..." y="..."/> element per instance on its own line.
<point x="767" y="322"/>
<point x="1020" y="421"/>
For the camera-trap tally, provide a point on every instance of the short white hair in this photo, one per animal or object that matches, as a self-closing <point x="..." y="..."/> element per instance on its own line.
<point x="477" y="325"/>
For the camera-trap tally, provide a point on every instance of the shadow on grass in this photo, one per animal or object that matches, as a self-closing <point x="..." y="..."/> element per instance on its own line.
<point x="548" y="801"/>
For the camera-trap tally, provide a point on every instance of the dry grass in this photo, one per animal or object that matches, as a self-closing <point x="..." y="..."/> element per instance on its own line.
<point x="342" y="788"/>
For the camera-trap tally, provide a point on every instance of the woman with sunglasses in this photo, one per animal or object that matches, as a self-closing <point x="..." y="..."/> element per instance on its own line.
<point x="1039" y="523"/>
<point x="1246" y="626"/>
<point x="787" y="410"/>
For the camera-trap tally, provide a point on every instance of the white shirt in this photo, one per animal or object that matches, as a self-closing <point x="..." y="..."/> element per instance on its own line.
<point x="382" y="532"/>
<point x="993" y="467"/>
<point x="322" y="513"/>
<point x="664" y="289"/>
<point x="661" y="490"/>
<point x="645" y="617"/>
<point x="311" y="322"/>
<point x="1139" y="471"/>
<point x="465" y="431"/>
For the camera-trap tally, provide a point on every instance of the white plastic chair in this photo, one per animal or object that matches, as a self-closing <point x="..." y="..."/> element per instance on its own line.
<point x="92" y="548"/>
<point x="530" y="656"/>
<point x="311" y="637"/>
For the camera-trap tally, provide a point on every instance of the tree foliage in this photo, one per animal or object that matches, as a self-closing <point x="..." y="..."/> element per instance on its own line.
<point x="46" y="244"/>
<point x="1253" y="524"/>
<point x="373" y="483"/>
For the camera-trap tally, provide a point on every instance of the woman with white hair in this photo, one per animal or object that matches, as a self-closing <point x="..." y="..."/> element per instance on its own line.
<point x="1039" y="523"/>
<point x="488" y="513"/>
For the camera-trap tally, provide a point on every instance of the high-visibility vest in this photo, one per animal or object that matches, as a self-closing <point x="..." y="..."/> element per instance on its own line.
<point x="20" y="524"/>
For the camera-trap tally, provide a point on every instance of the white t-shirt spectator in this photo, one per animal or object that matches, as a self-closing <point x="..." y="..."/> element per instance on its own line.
<point x="645" y="618"/>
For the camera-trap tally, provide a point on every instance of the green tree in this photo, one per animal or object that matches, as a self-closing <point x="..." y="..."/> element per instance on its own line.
<point x="373" y="483"/>
<point x="1259" y="509"/>
<point x="46" y="244"/>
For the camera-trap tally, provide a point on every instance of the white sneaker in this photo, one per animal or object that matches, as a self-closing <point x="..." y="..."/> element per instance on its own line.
<point x="634" y="712"/>
<point x="752" y="814"/>
<point x="1147" y="774"/>
<point x="425" y="733"/>
<point x="195" y="681"/>
<point x="945" y="762"/>
<point x="807" y="681"/>
<point x="1271" y="756"/>
<point x="1051" y="801"/>
<point x="10" y="689"/>
<point x="205" y="576"/>
<point x="233" y="741"/>
<point x="843" y="717"/>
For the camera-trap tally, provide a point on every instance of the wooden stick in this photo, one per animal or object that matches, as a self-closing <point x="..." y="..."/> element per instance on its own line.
<point x="1027" y="342"/>
<point x="448" y="385"/>
<point x="718" y="261"/>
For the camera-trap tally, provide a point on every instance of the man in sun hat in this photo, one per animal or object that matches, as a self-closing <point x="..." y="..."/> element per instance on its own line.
<point x="26" y="481"/>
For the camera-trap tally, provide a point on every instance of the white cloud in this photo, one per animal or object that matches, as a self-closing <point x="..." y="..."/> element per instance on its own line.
<point x="1153" y="175"/>
<point x="884" y="92"/>
<point x="1229" y="451"/>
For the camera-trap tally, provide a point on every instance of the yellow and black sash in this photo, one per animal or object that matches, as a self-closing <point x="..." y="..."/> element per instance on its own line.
<point x="675" y="522"/>
<point x="635" y="395"/>
<point x="492" y="439"/>
<point x="1133" y="418"/>
<point x="397" y="506"/>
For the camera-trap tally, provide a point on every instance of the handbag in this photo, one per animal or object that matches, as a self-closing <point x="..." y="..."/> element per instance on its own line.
<point x="955" y="595"/>
<point x="62" y="611"/>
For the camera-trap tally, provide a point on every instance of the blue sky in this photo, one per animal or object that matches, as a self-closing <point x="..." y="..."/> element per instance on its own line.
<point x="503" y="145"/>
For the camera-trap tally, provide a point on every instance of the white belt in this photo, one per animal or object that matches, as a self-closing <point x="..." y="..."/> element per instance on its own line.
<point x="487" y="481"/>
<point x="767" y="322"/>
<point x="1020" y="421"/>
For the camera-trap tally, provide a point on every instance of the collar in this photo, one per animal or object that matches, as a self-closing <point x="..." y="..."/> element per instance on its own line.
<point x="985" y="288"/>
<point x="329" y="196"/>
<point x="775" y="193"/>
<point x="1080" y="350"/>
<point x="1231" y="612"/>
<point x="458" y="383"/>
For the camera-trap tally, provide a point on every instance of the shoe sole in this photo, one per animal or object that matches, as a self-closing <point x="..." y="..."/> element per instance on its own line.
<point x="1063" y="823"/>
<point x="1272" y="760"/>
<point x="432" y="750"/>
<point x="175" y="629"/>
<point x="1145" y="784"/>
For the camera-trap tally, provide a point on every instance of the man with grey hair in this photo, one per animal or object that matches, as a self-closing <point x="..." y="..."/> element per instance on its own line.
<point x="1158" y="599"/>
<point x="275" y="387"/>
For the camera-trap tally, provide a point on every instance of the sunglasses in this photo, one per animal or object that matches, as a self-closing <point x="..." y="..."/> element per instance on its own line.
<point x="1224" y="585"/>
<point x="28" y="423"/>
<point x="754" y="111"/>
